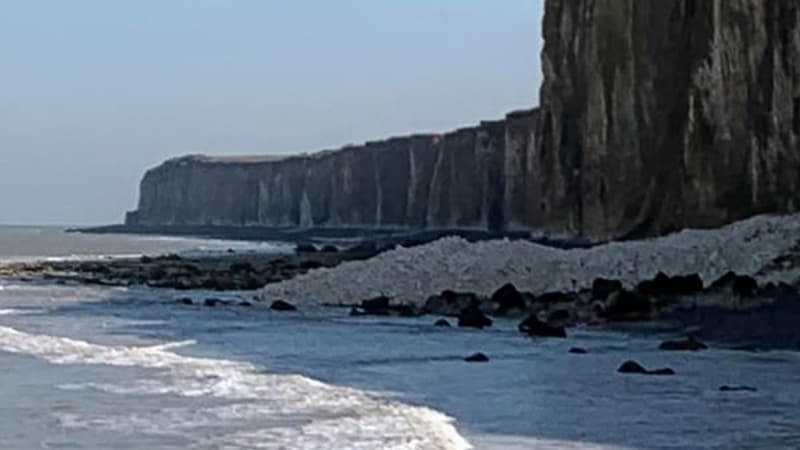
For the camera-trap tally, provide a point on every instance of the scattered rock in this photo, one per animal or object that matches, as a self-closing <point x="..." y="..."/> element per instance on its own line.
<point x="212" y="302"/>
<point x="280" y="305"/>
<point x="305" y="248"/>
<point x="508" y="299"/>
<point x="450" y="303"/>
<point x="602" y="288"/>
<point x="627" y="305"/>
<point x="727" y="388"/>
<point x="242" y="267"/>
<point x="555" y="297"/>
<point x="664" y="285"/>
<point x="473" y="317"/>
<point x="741" y="285"/>
<point x="477" y="357"/>
<point x="311" y="264"/>
<point x="559" y="316"/>
<point x="535" y="327"/>
<point x="578" y="351"/>
<point x="690" y="344"/>
<point x="632" y="367"/>
<point x="378" y="306"/>
<point x="664" y="371"/>
<point x="442" y="323"/>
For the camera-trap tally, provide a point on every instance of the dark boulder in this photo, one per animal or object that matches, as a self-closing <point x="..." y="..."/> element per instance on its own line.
<point x="243" y="266"/>
<point x="741" y="285"/>
<point x="727" y="388"/>
<point x="664" y="285"/>
<point x="450" y="303"/>
<point x="559" y="316"/>
<point x="602" y="288"/>
<point x="473" y="317"/>
<point x="280" y="305"/>
<point x="310" y="264"/>
<point x="305" y="248"/>
<point x="185" y="301"/>
<point x="555" y="297"/>
<point x="508" y="298"/>
<point x="535" y="327"/>
<point x="356" y="312"/>
<point x="212" y="302"/>
<point x="378" y="306"/>
<point x="578" y="351"/>
<point x="477" y="357"/>
<point x="632" y="367"/>
<point x="245" y="304"/>
<point x="442" y="323"/>
<point x="690" y="344"/>
<point x="627" y="305"/>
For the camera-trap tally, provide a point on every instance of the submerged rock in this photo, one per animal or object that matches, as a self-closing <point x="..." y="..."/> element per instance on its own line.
<point x="280" y="305"/>
<point x="442" y="323"/>
<point x="633" y="367"/>
<point x="690" y="344"/>
<point x="535" y="327"/>
<point x="477" y="357"/>
<point x="186" y="301"/>
<point x="212" y="302"/>
<point x="473" y="317"/>
<point x="578" y="351"/>
<point x="726" y="388"/>
<point x="305" y="248"/>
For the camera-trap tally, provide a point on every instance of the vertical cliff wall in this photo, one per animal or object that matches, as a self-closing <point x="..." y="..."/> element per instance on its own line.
<point x="660" y="114"/>
<point x="654" y="115"/>
<point x="453" y="180"/>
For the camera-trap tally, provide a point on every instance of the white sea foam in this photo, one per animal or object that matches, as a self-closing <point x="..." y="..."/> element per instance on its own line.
<point x="289" y="411"/>
<point x="410" y="275"/>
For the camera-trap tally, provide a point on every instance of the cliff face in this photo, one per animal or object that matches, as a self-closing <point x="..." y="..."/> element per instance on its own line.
<point x="654" y="115"/>
<point x="455" y="180"/>
<point x="661" y="114"/>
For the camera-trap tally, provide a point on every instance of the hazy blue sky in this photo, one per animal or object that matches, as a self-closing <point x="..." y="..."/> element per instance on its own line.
<point x="94" y="92"/>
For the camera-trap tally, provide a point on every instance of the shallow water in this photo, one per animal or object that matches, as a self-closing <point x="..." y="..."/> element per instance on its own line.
<point x="22" y="243"/>
<point x="117" y="368"/>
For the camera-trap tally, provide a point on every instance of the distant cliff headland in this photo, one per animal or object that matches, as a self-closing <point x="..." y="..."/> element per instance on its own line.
<point x="654" y="115"/>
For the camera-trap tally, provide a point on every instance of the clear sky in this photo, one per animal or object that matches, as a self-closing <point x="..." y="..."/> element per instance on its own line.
<point x="94" y="92"/>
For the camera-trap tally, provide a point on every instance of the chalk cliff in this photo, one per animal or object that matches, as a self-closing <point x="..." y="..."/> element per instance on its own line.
<point x="654" y="115"/>
<point x="453" y="180"/>
<point x="661" y="114"/>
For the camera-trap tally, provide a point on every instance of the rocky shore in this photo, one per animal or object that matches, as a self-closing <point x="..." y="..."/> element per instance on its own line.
<point x="220" y="272"/>
<point x="736" y="285"/>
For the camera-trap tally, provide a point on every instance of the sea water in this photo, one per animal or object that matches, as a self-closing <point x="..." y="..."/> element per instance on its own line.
<point x="129" y="368"/>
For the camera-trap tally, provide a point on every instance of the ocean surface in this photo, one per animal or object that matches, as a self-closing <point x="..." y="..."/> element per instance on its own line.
<point x="112" y="368"/>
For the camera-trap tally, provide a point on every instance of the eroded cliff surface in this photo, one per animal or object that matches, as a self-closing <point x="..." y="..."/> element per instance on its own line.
<point x="654" y="115"/>
<point x="453" y="180"/>
<point x="661" y="114"/>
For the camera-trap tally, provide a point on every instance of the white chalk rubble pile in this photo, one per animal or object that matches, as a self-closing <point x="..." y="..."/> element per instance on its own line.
<point x="411" y="275"/>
